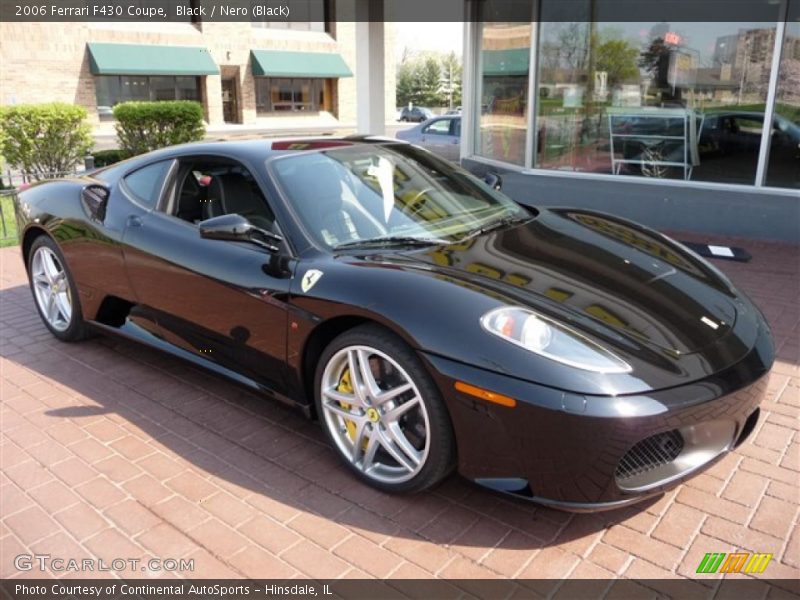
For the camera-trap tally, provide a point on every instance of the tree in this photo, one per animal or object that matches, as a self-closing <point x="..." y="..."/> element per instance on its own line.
<point x="573" y="44"/>
<point x="429" y="79"/>
<point x="618" y="59"/>
<point x="451" y="79"/>
<point x="407" y="88"/>
<point x="45" y="140"/>
<point x="430" y="74"/>
<point x="652" y="57"/>
<point x="145" y="126"/>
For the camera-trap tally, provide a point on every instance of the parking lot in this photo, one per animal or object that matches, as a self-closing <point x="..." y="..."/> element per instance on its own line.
<point x="110" y="450"/>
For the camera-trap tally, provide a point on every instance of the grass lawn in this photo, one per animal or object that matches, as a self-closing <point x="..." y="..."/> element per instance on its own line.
<point x="8" y="227"/>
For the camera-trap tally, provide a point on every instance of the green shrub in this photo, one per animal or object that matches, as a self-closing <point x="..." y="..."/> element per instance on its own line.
<point x="103" y="158"/>
<point x="145" y="126"/>
<point x="44" y="140"/>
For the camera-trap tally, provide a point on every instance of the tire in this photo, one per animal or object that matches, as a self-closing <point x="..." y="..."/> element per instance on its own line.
<point x="652" y="155"/>
<point x="52" y="285"/>
<point x="392" y="430"/>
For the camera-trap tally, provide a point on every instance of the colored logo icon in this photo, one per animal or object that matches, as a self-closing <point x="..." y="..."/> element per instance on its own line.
<point x="736" y="562"/>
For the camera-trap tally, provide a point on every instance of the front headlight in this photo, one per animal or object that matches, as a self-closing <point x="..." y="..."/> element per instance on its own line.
<point x="552" y="340"/>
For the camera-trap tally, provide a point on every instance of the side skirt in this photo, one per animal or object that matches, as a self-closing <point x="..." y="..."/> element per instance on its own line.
<point x="136" y="333"/>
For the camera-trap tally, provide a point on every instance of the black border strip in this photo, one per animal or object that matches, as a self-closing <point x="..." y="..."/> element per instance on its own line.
<point x="401" y="10"/>
<point x="357" y="589"/>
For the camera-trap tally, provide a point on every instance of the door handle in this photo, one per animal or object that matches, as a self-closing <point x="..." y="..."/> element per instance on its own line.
<point x="133" y="221"/>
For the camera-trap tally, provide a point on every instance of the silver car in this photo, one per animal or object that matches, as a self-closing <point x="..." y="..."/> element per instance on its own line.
<point x="441" y="135"/>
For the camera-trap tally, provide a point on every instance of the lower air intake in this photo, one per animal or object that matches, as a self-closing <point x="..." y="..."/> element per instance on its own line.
<point x="651" y="453"/>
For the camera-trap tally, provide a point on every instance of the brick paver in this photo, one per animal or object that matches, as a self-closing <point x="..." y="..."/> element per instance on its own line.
<point x="110" y="450"/>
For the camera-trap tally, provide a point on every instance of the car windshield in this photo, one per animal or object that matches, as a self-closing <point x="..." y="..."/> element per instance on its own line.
<point x="361" y="194"/>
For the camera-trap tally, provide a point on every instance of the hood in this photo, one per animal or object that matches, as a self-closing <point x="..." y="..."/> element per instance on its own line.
<point x="605" y="276"/>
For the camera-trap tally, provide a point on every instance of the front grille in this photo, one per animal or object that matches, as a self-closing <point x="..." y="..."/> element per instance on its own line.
<point x="649" y="454"/>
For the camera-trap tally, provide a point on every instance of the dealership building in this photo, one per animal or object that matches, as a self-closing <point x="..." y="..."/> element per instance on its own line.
<point x="260" y="73"/>
<point x="682" y="125"/>
<point x="679" y="123"/>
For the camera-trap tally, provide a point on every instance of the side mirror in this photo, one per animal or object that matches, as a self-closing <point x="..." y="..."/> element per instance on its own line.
<point x="236" y="228"/>
<point x="493" y="180"/>
<point x="94" y="198"/>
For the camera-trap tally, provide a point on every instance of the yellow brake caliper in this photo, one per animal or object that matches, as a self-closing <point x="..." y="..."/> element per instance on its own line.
<point x="346" y="387"/>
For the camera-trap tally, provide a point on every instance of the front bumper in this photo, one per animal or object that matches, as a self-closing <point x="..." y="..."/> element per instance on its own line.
<point x="586" y="453"/>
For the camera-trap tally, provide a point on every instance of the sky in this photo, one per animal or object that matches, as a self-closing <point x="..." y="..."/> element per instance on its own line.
<point x="440" y="37"/>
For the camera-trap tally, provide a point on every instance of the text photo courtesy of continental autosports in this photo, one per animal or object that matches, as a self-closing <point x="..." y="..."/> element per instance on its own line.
<point x="370" y="299"/>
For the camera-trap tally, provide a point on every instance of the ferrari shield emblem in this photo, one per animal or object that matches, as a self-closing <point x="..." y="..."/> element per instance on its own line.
<point x="310" y="279"/>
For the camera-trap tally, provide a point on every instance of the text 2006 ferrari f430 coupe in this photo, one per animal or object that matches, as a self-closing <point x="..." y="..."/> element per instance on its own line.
<point x="429" y="322"/>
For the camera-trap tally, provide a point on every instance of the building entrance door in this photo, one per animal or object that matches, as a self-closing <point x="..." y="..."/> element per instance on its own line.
<point x="230" y="104"/>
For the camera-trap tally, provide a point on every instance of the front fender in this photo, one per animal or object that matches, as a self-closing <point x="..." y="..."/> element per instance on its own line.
<point x="440" y="314"/>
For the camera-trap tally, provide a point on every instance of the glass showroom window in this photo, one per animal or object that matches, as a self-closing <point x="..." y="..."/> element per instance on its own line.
<point x="162" y="88"/>
<point x="289" y="95"/>
<point x="680" y="100"/>
<point x="503" y="98"/>
<point x="783" y="168"/>
<point x="113" y="89"/>
<point x="187" y="88"/>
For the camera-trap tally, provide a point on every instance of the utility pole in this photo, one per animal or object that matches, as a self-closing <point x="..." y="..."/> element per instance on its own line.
<point x="743" y="78"/>
<point x="450" y="84"/>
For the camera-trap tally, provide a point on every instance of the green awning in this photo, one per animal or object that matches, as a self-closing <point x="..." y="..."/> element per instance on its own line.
<point x="277" y="63"/>
<point x="511" y="62"/>
<point x="136" y="59"/>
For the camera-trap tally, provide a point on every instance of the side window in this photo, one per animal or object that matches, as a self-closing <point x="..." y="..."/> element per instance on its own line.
<point x="145" y="183"/>
<point x="456" y="129"/>
<point x="748" y="125"/>
<point x="440" y="127"/>
<point x="209" y="188"/>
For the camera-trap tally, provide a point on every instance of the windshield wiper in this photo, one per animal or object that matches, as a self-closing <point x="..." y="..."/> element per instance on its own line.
<point x="388" y="241"/>
<point x="504" y="222"/>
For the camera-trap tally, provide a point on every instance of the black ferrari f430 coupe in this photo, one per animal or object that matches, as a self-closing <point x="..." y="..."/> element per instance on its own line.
<point x="425" y="319"/>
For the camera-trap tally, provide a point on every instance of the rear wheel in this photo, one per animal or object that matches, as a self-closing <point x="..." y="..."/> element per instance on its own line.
<point x="652" y="157"/>
<point x="54" y="291"/>
<point x="382" y="412"/>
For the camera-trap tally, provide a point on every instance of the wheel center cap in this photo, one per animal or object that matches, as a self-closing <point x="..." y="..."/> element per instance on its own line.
<point x="373" y="415"/>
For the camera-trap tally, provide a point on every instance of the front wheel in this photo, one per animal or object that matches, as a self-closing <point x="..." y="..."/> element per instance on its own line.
<point x="54" y="291"/>
<point x="382" y="412"/>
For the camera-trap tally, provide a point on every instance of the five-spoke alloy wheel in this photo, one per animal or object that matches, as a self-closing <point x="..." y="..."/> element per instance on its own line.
<point x="54" y="291"/>
<point x="382" y="412"/>
<point x="51" y="289"/>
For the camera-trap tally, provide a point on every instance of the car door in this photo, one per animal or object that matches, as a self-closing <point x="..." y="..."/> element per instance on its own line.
<point x="749" y="129"/>
<point x="437" y="137"/>
<point x="222" y="301"/>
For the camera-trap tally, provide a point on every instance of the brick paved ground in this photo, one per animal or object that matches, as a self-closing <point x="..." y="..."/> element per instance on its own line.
<point x="110" y="450"/>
